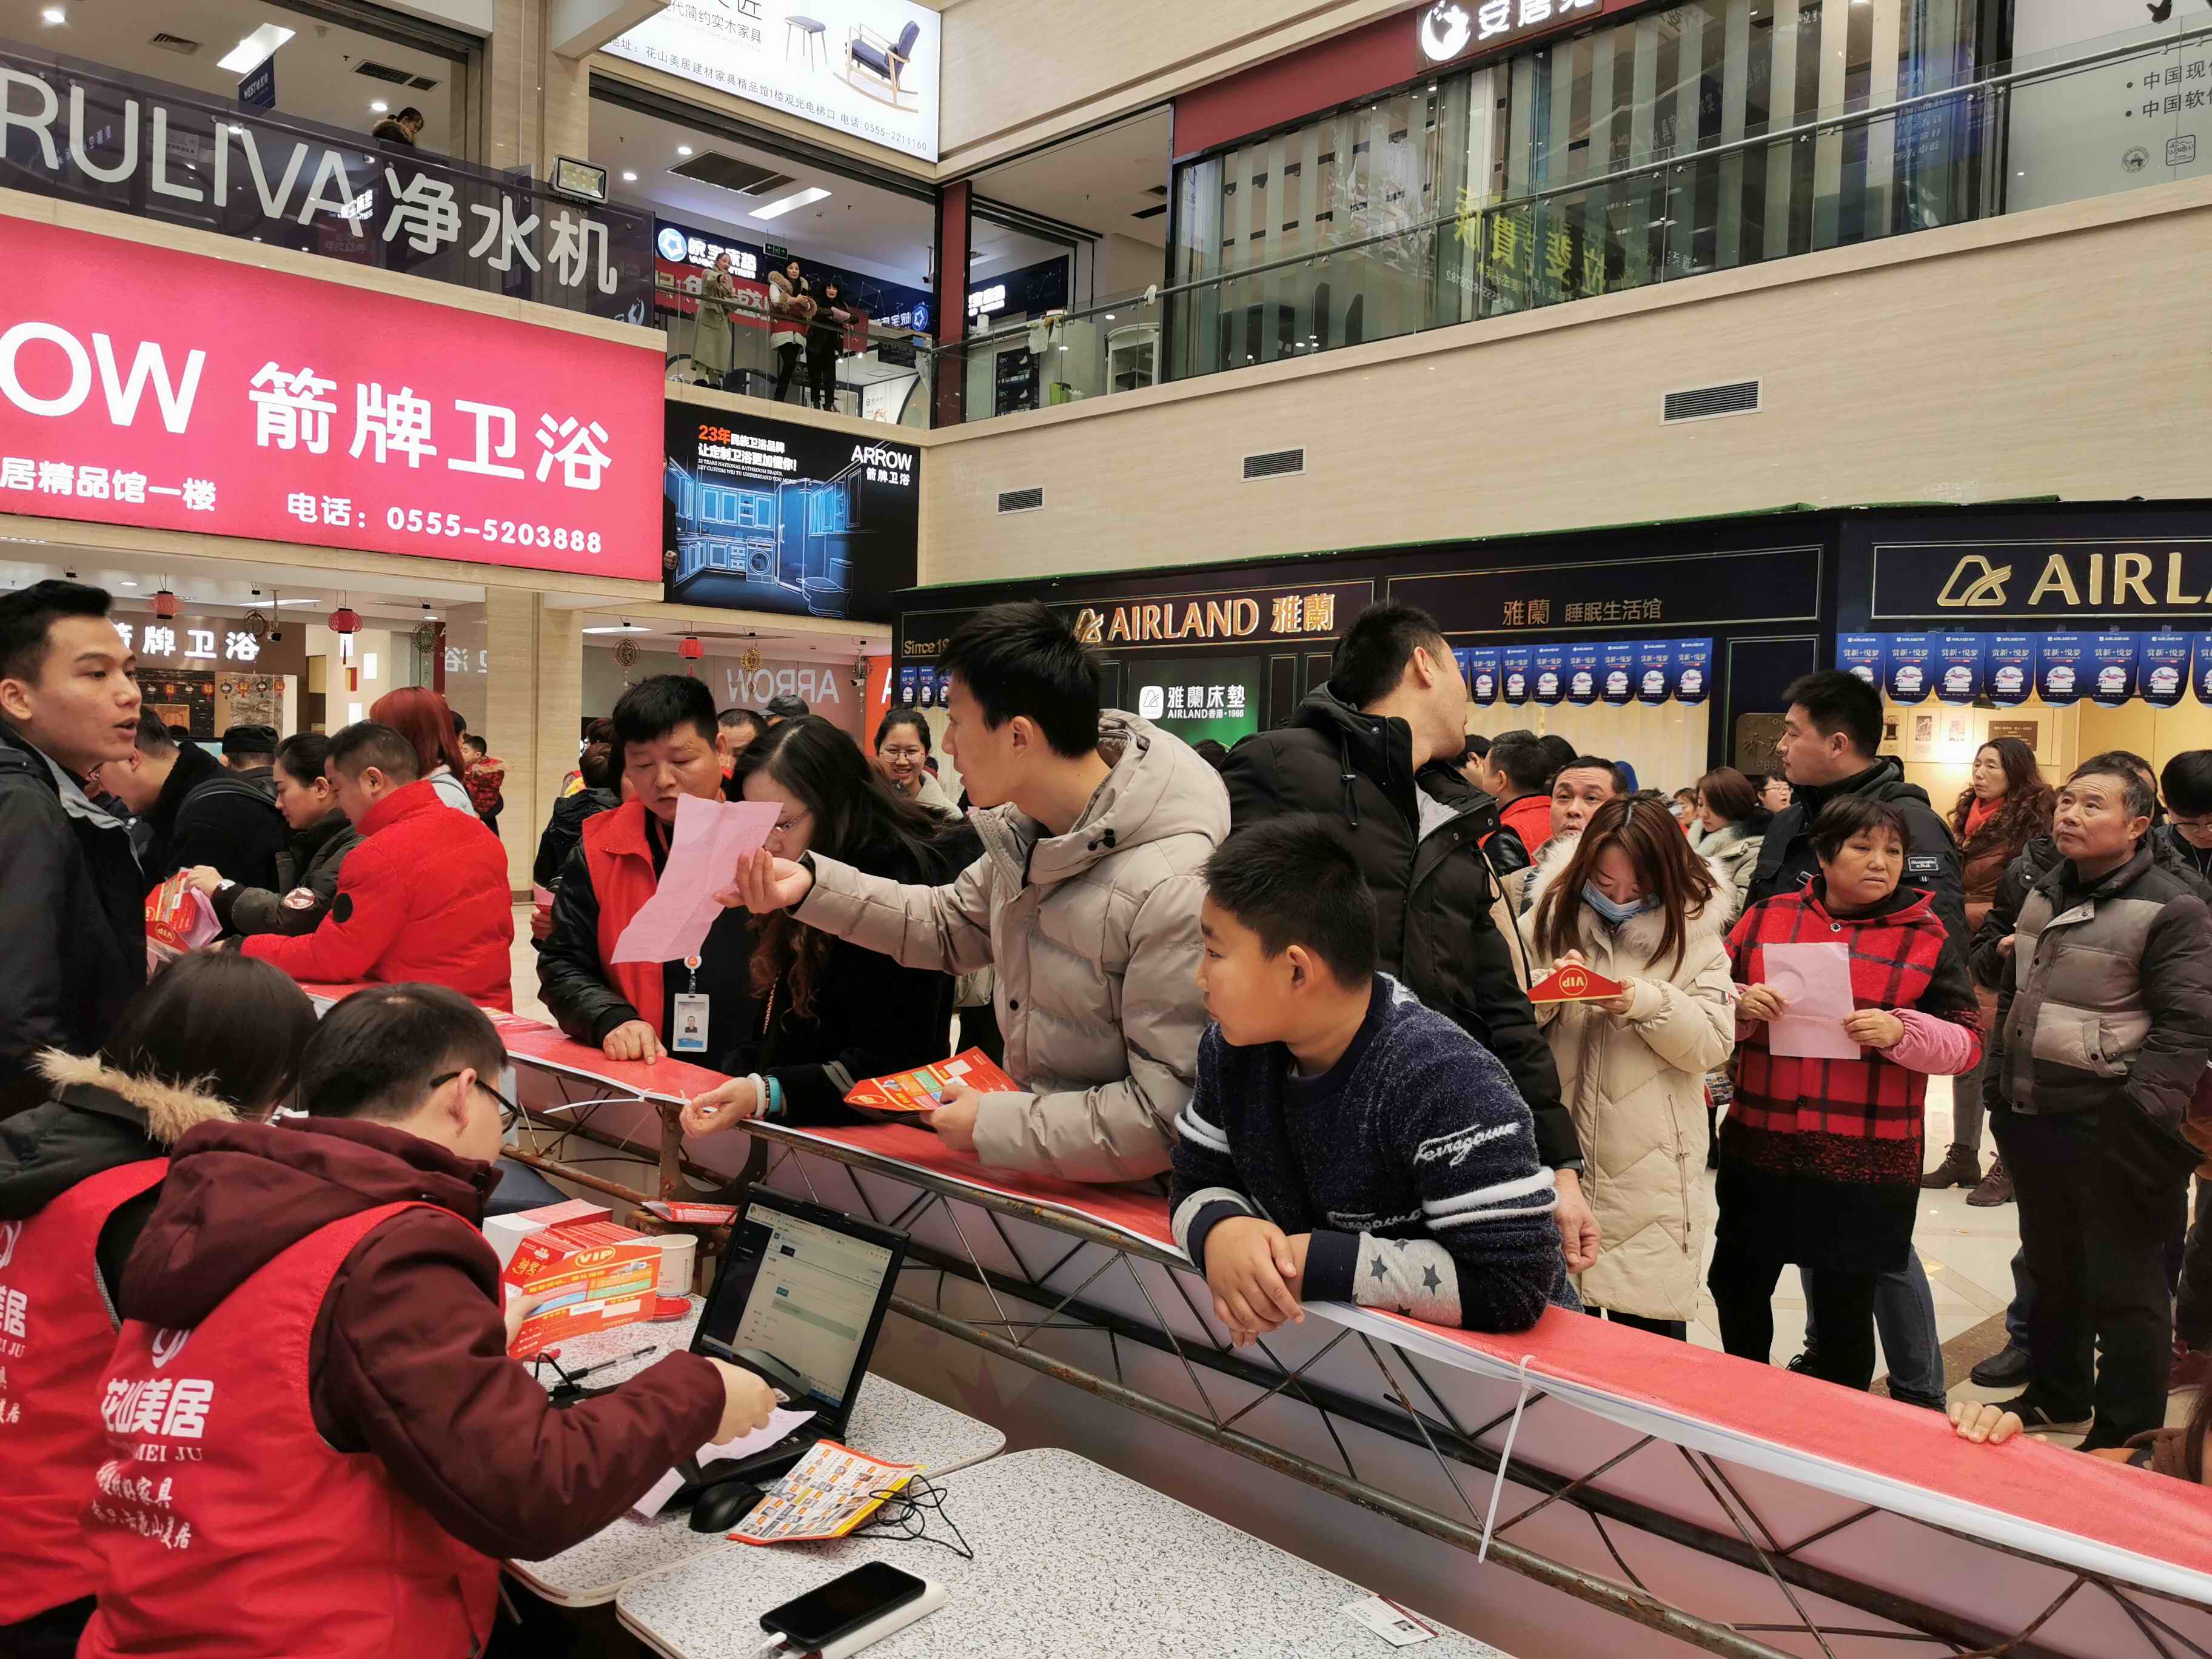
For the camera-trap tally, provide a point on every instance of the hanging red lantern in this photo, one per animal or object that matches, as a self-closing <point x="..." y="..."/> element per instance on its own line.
<point x="164" y="605"/>
<point x="689" y="649"/>
<point x="344" y="620"/>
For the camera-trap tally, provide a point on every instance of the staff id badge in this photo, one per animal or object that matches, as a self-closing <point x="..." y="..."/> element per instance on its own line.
<point x="687" y="1035"/>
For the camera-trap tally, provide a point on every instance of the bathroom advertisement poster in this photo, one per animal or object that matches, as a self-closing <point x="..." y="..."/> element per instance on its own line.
<point x="763" y="514"/>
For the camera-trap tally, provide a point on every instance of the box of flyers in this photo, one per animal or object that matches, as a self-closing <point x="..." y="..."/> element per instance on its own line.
<point x="588" y="1276"/>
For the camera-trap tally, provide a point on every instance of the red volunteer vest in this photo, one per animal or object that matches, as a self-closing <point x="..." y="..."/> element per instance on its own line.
<point x="228" y="1525"/>
<point x="56" y="1332"/>
<point x="621" y="862"/>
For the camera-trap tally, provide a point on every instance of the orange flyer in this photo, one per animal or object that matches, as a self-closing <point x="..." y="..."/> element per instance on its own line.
<point x="918" y="1091"/>
<point x="592" y="1276"/>
<point x="1573" y="983"/>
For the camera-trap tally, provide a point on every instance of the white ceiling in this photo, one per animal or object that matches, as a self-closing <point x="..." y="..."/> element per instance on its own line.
<point x="1096" y="181"/>
<point x="315" y="70"/>
<point x="858" y="228"/>
<point x="218" y="585"/>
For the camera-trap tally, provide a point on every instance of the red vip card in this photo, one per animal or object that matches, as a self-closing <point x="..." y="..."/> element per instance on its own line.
<point x="906" y="1093"/>
<point x="1573" y="983"/>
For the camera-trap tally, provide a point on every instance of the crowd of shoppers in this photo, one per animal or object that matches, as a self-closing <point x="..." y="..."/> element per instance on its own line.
<point x="1293" y="977"/>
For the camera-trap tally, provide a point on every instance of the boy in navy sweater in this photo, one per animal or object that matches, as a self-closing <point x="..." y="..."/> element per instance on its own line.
<point x="1343" y="1143"/>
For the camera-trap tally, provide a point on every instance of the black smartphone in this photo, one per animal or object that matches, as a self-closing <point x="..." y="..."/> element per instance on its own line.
<point x="843" y="1606"/>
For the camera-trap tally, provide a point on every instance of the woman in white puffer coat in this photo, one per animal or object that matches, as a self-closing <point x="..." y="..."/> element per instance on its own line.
<point x="1635" y="905"/>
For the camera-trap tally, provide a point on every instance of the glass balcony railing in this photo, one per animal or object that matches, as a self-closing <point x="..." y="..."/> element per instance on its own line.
<point x="891" y="381"/>
<point x="2095" y="119"/>
<point x="75" y="131"/>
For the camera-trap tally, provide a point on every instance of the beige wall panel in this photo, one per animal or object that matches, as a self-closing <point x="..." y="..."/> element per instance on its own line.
<point x="1017" y="72"/>
<point x="2057" y="352"/>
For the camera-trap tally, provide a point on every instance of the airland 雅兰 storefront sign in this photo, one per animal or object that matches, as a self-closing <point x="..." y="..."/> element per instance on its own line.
<point x="1991" y="582"/>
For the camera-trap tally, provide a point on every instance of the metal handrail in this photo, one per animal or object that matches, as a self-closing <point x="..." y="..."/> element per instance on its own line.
<point x="1735" y="146"/>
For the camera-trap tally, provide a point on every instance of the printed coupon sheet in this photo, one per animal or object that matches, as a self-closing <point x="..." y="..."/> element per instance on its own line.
<point x="829" y="1491"/>
<point x="904" y="1093"/>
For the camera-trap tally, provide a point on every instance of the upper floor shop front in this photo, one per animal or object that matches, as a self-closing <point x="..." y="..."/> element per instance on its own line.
<point x="764" y="184"/>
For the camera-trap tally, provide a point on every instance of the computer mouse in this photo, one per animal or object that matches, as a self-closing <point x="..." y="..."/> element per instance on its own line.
<point x="722" y="1506"/>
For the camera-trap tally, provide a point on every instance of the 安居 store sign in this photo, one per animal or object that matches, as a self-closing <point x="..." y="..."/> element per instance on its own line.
<point x="143" y="386"/>
<point x="1452" y="29"/>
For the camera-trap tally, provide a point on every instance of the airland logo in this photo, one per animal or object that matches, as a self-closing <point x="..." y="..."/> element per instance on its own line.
<point x="168" y="1344"/>
<point x="2064" y="581"/>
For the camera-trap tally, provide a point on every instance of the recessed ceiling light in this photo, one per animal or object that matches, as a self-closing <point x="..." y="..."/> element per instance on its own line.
<point x="629" y="178"/>
<point x="54" y="15"/>
<point x="378" y="105"/>
<point x="256" y="49"/>
<point x="798" y="198"/>
<point x="237" y="130"/>
<point x="684" y="149"/>
<point x="130" y="584"/>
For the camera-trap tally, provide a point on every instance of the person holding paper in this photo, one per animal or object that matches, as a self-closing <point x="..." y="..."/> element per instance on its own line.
<point x="1853" y="993"/>
<point x="312" y="1315"/>
<point x="422" y="897"/>
<point x="1635" y="905"/>
<point x="664" y="735"/>
<point x="314" y="852"/>
<point x="837" y="1013"/>
<point x="1095" y="825"/>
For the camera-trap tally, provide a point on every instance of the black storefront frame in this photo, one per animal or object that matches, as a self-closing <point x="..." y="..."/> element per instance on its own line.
<point x="1754" y="657"/>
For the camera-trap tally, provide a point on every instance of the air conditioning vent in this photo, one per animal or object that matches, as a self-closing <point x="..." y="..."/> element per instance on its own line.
<point x="1021" y="501"/>
<point x="176" y="43"/>
<point x="1275" y="463"/>
<point x="376" y="72"/>
<point x="423" y="83"/>
<point x="728" y="172"/>
<point x="1152" y="212"/>
<point x="1707" y="402"/>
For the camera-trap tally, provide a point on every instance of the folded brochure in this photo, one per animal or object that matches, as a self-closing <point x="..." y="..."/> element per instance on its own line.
<point x="1573" y="982"/>
<point x="828" y="1493"/>
<point x="918" y="1091"/>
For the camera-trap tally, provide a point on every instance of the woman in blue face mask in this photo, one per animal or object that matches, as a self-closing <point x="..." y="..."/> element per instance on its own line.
<point x="1637" y="906"/>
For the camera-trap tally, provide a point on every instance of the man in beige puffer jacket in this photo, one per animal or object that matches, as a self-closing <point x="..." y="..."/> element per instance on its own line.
<point x="1085" y="902"/>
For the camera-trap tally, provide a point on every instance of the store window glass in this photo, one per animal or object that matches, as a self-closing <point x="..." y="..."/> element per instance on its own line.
<point x="1710" y="75"/>
<point x="1336" y="223"/>
<point x="1450" y="201"/>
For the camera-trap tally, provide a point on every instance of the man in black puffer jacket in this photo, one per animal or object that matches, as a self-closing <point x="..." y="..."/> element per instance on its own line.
<point x="1378" y="748"/>
<point x="198" y="810"/>
<point x="1827" y="750"/>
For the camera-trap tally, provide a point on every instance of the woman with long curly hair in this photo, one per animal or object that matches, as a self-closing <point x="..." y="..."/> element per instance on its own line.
<point x="2005" y="805"/>
<point x="832" y="1014"/>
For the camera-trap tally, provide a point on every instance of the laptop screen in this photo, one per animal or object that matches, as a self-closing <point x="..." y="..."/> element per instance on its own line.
<point x="812" y="1291"/>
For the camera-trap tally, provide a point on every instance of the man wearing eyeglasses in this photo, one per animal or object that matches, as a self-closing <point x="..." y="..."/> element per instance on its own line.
<point x="315" y="1433"/>
<point x="665" y="732"/>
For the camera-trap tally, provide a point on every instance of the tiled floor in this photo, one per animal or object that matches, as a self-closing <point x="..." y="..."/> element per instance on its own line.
<point x="1968" y="1252"/>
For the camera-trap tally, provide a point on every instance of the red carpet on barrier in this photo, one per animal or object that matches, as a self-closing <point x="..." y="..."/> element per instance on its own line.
<point x="2026" y="1493"/>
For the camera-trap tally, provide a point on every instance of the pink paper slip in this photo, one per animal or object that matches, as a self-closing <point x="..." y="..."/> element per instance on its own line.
<point x="711" y="836"/>
<point x="1815" y="981"/>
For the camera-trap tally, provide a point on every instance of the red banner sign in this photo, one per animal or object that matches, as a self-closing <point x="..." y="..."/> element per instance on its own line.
<point x="143" y="386"/>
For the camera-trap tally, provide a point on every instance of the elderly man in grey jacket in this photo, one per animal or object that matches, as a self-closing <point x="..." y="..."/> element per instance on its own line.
<point x="1095" y="826"/>
<point x="2103" y="1030"/>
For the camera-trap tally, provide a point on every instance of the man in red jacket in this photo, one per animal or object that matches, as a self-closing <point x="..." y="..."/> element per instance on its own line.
<point x="424" y="897"/>
<point x="316" y="1442"/>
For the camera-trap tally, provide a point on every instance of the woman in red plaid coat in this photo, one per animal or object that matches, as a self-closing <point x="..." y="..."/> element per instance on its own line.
<point x="1819" y="1159"/>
